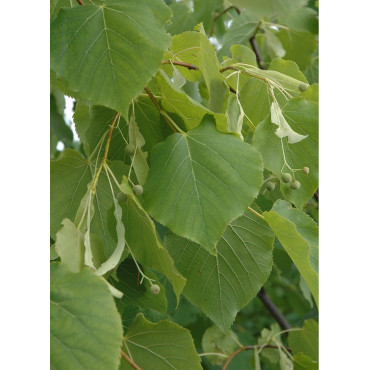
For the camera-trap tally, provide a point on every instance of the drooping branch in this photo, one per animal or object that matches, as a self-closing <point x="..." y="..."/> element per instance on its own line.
<point x="277" y="315"/>
<point x="247" y="348"/>
<point x="182" y="64"/>
<point x="128" y="359"/>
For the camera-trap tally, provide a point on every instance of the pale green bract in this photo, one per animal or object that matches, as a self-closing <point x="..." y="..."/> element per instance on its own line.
<point x="199" y="181"/>
<point x="302" y="117"/>
<point x="99" y="50"/>
<point x="284" y="130"/>
<point x="85" y="327"/>
<point x="164" y="345"/>
<point x="222" y="284"/>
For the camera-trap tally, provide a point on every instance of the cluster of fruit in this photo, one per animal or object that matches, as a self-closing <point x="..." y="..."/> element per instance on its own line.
<point x="287" y="178"/>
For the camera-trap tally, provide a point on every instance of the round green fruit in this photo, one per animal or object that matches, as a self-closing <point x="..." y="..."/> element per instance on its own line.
<point x="137" y="189"/>
<point x="270" y="186"/>
<point x="155" y="289"/>
<point x="295" y="185"/>
<point x="130" y="149"/>
<point x="302" y="87"/>
<point x="305" y="170"/>
<point x="286" y="177"/>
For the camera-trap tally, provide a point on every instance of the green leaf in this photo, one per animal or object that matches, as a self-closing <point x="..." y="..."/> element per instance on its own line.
<point x="269" y="8"/>
<point x="273" y="44"/>
<point x="69" y="179"/>
<point x="195" y="48"/>
<point x="85" y="327"/>
<point x="302" y="117"/>
<point x="56" y="5"/>
<point x="135" y="293"/>
<point x="164" y="345"/>
<point x="175" y="100"/>
<point x="97" y="49"/>
<point x="299" y="46"/>
<point x="70" y="246"/>
<point x="303" y="19"/>
<point x="312" y="93"/>
<point x="306" y="341"/>
<point x="240" y="32"/>
<point x="298" y="233"/>
<point x="196" y="187"/>
<point x="214" y="340"/>
<point x="152" y="126"/>
<point x="303" y="362"/>
<point x="222" y="284"/>
<point x="92" y="122"/>
<point x="143" y="240"/>
<point x="312" y="71"/>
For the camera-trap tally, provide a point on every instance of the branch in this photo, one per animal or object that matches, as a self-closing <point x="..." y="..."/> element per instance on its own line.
<point x="247" y="348"/>
<point x="183" y="64"/>
<point x="256" y="50"/>
<point x="80" y="2"/>
<point x="128" y="359"/>
<point x="278" y="316"/>
<point x="220" y="14"/>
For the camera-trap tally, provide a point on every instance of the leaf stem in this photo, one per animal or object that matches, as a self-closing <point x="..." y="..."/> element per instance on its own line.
<point x="105" y="152"/>
<point x="256" y="213"/>
<point x="131" y="362"/>
<point x="247" y="348"/>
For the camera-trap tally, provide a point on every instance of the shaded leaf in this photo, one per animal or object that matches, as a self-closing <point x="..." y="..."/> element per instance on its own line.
<point x="222" y="284"/>
<point x="135" y="293"/>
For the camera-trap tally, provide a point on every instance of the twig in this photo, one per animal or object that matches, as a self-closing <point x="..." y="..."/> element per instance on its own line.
<point x="168" y="119"/>
<point x="128" y="359"/>
<point x="256" y="50"/>
<point x="278" y="316"/>
<point x="183" y="64"/>
<point x="247" y="348"/>
<point x="80" y="2"/>
<point x="105" y="152"/>
<point x="219" y="15"/>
